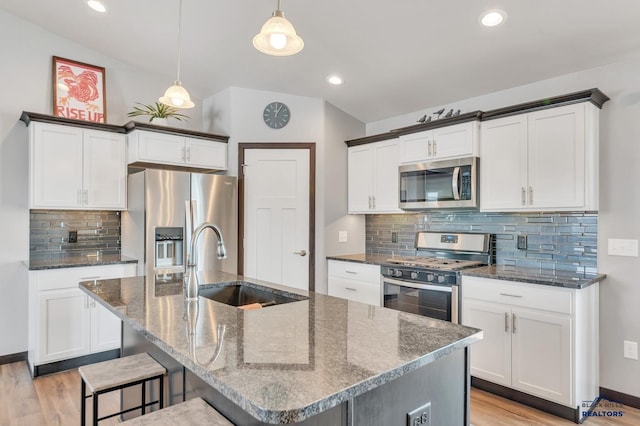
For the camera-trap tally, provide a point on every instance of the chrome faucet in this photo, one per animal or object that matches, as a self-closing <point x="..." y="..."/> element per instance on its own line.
<point x="191" y="279"/>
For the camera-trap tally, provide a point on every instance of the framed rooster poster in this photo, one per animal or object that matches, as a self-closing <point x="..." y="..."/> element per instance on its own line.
<point x="79" y="91"/>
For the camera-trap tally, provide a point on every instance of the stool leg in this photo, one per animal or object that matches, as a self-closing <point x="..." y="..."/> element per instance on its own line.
<point x="83" y="402"/>
<point x="144" y="399"/>
<point x="95" y="409"/>
<point x="161" y="392"/>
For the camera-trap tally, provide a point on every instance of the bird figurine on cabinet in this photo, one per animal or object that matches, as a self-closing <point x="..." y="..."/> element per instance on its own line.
<point x="439" y="112"/>
<point x="449" y="114"/>
<point x="422" y="119"/>
<point x="457" y="113"/>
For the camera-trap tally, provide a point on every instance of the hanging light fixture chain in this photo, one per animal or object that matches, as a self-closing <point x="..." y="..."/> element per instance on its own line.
<point x="179" y="37"/>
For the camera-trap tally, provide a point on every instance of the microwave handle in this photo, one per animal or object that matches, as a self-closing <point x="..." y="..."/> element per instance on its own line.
<point x="454" y="183"/>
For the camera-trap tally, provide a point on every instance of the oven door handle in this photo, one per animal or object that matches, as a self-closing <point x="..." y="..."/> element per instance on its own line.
<point x="454" y="183"/>
<point x="442" y="288"/>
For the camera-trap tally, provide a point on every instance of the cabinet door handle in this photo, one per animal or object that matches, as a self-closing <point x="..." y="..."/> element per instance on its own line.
<point x="506" y="322"/>
<point x="188" y="150"/>
<point x="530" y="195"/>
<point x="79" y="197"/>
<point x="428" y="148"/>
<point x="435" y="146"/>
<point x="511" y="295"/>
<point x="350" y="289"/>
<point x="513" y="323"/>
<point x="351" y="272"/>
<point x="86" y="197"/>
<point x="524" y="196"/>
<point x="370" y="202"/>
<point x="183" y="154"/>
<point x="374" y="201"/>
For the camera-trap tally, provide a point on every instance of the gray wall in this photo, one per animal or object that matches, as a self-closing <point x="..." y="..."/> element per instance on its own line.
<point x="560" y="241"/>
<point x="619" y="198"/>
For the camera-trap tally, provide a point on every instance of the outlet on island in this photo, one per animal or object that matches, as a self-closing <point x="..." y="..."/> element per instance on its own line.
<point x="73" y="236"/>
<point x="421" y="416"/>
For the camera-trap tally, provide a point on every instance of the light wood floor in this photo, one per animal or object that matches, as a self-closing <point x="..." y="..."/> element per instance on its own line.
<point x="55" y="400"/>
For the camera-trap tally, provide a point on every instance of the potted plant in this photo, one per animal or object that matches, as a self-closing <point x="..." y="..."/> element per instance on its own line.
<point x="157" y="112"/>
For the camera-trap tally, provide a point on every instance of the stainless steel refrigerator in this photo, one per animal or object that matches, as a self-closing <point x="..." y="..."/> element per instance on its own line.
<point x="156" y="229"/>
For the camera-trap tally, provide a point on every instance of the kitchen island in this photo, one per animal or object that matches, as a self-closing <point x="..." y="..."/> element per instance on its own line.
<point x="318" y="360"/>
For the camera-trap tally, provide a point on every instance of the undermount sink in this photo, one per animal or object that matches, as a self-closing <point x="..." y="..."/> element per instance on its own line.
<point x="239" y="294"/>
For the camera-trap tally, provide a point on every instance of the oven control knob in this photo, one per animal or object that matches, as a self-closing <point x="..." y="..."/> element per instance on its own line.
<point x="398" y="273"/>
<point x="441" y="278"/>
<point x="391" y="272"/>
<point x="430" y="277"/>
<point x="414" y="275"/>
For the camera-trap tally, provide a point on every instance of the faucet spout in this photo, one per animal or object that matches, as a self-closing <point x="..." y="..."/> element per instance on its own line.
<point x="191" y="279"/>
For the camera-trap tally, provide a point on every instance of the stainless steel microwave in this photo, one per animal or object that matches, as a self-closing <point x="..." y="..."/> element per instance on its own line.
<point x="449" y="184"/>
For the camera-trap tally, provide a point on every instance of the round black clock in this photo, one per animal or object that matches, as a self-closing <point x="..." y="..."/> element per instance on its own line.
<point x="276" y="115"/>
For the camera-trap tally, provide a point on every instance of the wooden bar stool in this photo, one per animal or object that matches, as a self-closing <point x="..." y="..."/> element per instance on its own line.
<point x="194" y="412"/>
<point x="118" y="374"/>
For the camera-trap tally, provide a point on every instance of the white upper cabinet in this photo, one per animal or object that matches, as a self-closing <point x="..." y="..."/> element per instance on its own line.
<point x="76" y="168"/>
<point x="373" y="178"/>
<point x="176" y="150"/>
<point x="541" y="161"/>
<point x="459" y="140"/>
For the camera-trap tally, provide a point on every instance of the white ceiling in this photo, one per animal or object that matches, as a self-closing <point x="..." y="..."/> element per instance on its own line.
<point x="396" y="56"/>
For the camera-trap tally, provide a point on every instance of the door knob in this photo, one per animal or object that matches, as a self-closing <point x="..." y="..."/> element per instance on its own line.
<point x="301" y="252"/>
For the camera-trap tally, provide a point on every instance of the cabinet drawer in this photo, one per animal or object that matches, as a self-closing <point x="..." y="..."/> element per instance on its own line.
<point x="358" y="291"/>
<point x="55" y="279"/>
<point x="354" y="271"/>
<point x="518" y="294"/>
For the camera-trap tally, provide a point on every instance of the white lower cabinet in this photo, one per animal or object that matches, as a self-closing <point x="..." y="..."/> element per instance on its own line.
<point x="537" y="339"/>
<point x="359" y="282"/>
<point x="64" y="322"/>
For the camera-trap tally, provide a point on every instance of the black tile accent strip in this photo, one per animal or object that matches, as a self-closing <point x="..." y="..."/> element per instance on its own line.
<point x="626" y="399"/>
<point x="69" y="364"/>
<point x="17" y="357"/>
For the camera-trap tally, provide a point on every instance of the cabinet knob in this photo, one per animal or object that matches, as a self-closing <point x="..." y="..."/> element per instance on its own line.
<point x="302" y="253"/>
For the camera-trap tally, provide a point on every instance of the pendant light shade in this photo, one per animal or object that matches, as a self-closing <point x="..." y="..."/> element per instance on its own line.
<point x="177" y="96"/>
<point x="278" y="37"/>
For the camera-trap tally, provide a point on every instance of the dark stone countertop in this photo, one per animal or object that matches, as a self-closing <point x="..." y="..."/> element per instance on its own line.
<point x="58" y="262"/>
<point x="548" y="277"/>
<point x="283" y="363"/>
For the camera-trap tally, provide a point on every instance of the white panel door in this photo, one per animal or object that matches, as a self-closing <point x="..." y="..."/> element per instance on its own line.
<point x="63" y="325"/>
<point x="105" y="328"/>
<point x="556" y="158"/>
<point x="105" y="170"/>
<point x="276" y="192"/>
<point x="453" y="141"/>
<point x="161" y="148"/>
<point x="56" y="166"/>
<point x="385" y="176"/>
<point x="541" y="354"/>
<point x="491" y="357"/>
<point x="205" y="153"/>
<point x="503" y="164"/>
<point x="360" y="184"/>
<point x="414" y="147"/>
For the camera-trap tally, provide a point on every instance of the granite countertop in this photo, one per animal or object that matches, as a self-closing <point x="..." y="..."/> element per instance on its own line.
<point x="283" y="363"/>
<point x="549" y="277"/>
<point x="77" y="261"/>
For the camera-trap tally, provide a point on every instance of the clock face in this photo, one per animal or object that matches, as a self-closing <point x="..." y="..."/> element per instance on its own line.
<point x="276" y="115"/>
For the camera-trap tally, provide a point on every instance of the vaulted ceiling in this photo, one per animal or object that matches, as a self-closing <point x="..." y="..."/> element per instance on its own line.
<point x="396" y="57"/>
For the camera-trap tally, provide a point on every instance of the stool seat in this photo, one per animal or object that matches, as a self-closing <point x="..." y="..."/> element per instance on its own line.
<point x="194" y="412"/>
<point x="120" y="371"/>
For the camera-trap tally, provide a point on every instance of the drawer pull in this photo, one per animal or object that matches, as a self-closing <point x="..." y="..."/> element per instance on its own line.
<point x="351" y="272"/>
<point x="506" y="322"/>
<point x="513" y="323"/>
<point x="350" y="289"/>
<point x="97" y="277"/>
<point x="511" y="295"/>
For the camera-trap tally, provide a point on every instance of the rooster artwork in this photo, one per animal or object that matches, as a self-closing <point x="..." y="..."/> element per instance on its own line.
<point x="78" y="91"/>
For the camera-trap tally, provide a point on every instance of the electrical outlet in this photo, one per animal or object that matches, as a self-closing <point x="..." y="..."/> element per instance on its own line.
<point x="631" y="350"/>
<point x="421" y="416"/>
<point x="619" y="247"/>
<point x="73" y="236"/>
<point x="342" y="236"/>
<point x="522" y="242"/>
<point x="394" y="237"/>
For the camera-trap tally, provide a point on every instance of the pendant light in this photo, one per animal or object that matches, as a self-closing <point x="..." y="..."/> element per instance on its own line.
<point x="177" y="96"/>
<point x="278" y="37"/>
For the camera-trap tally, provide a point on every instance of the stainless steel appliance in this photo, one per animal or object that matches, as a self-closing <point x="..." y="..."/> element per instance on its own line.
<point x="429" y="283"/>
<point x="163" y="209"/>
<point x="450" y="184"/>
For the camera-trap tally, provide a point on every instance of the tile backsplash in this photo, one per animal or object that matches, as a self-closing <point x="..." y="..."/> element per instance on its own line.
<point x="562" y="241"/>
<point x="98" y="232"/>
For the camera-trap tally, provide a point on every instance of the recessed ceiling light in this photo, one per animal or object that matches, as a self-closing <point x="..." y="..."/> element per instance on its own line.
<point x="335" y="79"/>
<point x="97" y="6"/>
<point x="493" y="17"/>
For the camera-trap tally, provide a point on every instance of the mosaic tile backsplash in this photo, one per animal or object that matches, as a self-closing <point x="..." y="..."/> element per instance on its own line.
<point x="561" y="241"/>
<point x="98" y="232"/>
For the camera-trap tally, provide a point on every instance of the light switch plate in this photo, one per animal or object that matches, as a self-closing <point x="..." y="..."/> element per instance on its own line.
<point x="342" y="236"/>
<point x="619" y="247"/>
<point x="631" y="350"/>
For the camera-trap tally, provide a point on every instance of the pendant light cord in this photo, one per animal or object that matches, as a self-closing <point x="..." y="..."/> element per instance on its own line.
<point x="179" y="36"/>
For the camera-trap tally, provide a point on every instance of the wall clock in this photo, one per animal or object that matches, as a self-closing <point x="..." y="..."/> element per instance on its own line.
<point x="276" y="115"/>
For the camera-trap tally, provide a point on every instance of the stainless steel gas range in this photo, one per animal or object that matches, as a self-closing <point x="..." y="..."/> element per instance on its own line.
<point x="428" y="284"/>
